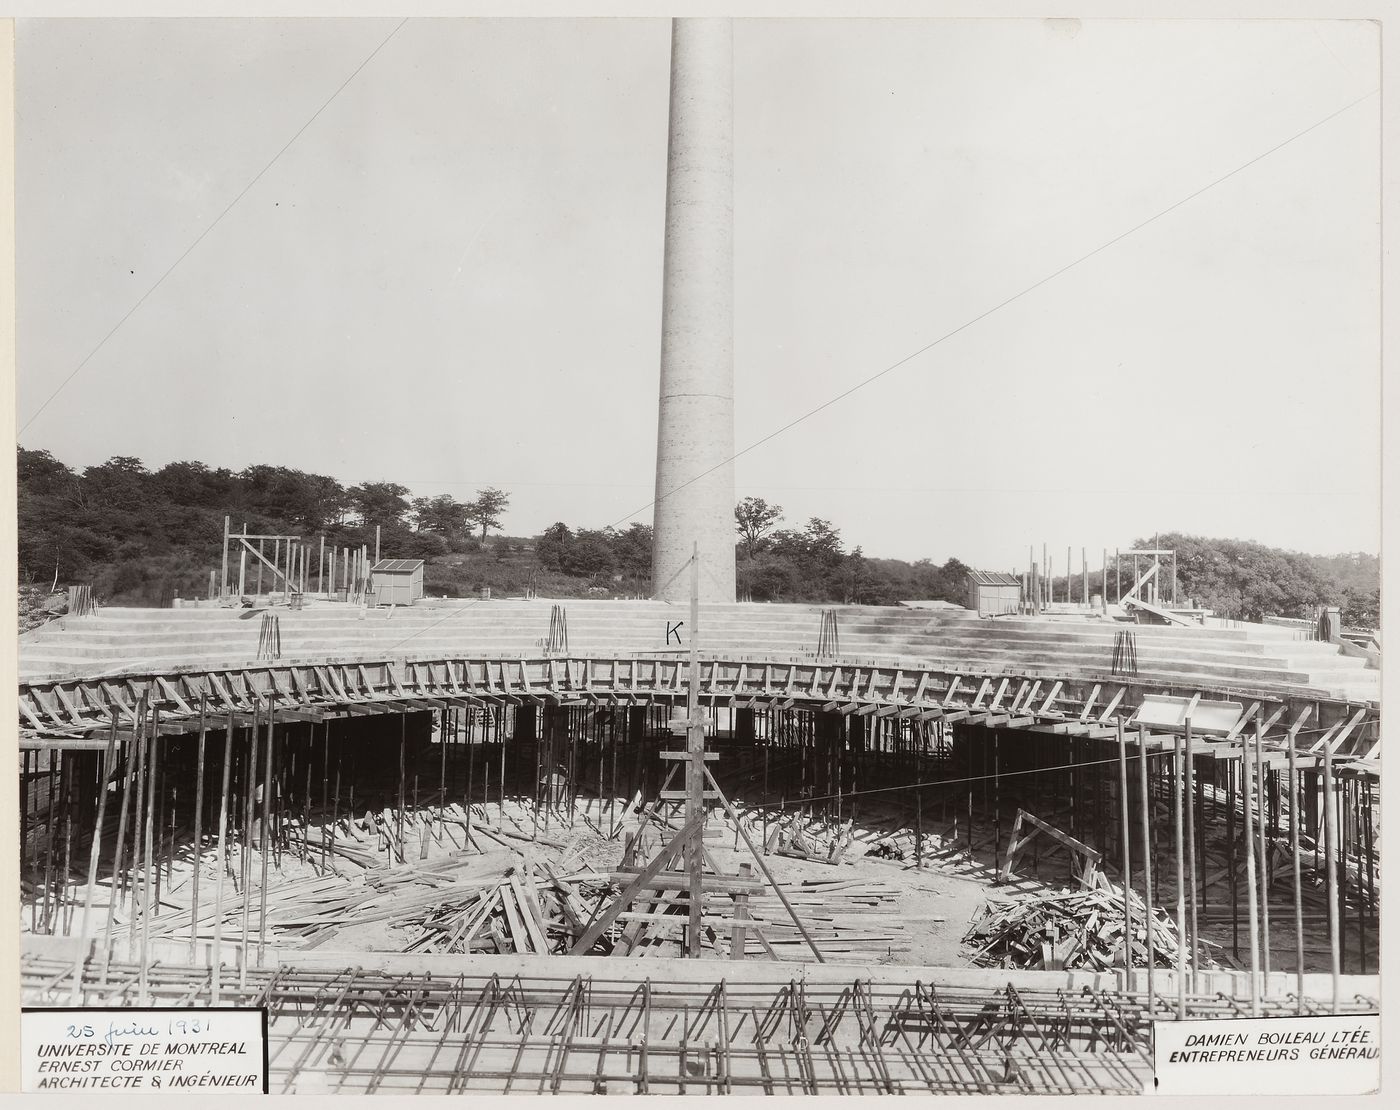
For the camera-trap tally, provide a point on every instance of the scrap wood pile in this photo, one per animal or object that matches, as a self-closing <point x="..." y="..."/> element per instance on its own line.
<point x="526" y="910"/>
<point x="1075" y="929"/>
<point x="524" y="907"/>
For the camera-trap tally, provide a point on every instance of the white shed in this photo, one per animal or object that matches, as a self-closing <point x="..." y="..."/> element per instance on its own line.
<point x="397" y="581"/>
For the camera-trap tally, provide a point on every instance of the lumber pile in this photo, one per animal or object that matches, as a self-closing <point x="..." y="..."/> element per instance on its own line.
<point x="843" y="916"/>
<point x="1073" y="929"/>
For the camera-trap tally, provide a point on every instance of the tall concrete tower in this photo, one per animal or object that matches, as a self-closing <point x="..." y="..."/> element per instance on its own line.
<point x="695" y="426"/>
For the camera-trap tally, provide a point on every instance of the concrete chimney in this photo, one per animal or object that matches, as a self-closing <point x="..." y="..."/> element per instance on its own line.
<point x="695" y="426"/>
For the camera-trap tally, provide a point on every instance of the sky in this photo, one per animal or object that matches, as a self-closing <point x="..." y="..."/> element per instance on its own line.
<point x="1135" y="263"/>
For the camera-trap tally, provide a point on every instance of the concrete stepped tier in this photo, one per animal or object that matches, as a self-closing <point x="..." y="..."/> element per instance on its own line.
<point x="115" y="640"/>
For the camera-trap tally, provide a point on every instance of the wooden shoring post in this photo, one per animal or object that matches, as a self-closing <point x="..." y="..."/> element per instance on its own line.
<point x="1188" y="801"/>
<point x="694" y="780"/>
<point x="94" y="853"/>
<point x="1263" y="845"/>
<point x="1247" y="789"/>
<point x="996" y="795"/>
<point x="469" y="736"/>
<point x="223" y="564"/>
<point x="1182" y="944"/>
<point x="261" y="559"/>
<point x="403" y="771"/>
<point x="265" y="841"/>
<point x="1294" y="851"/>
<point x="1117" y="576"/>
<point x="128" y="778"/>
<point x="1329" y="823"/>
<point x="1368" y="819"/>
<point x="142" y="757"/>
<point x="245" y="870"/>
<point x="152" y="769"/>
<point x="612" y="790"/>
<point x="501" y="739"/>
<point x="1126" y="857"/>
<point x="215" y="959"/>
<point x="1147" y="863"/>
<point x="198" y="822"/>
<point x="738" y="936"/>
<point x="442" y="775"/>
<point x="1231" y="863"/>
<point x="321" y="567"/>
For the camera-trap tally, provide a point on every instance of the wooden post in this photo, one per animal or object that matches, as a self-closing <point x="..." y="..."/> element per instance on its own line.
<point x="694" y="767"/>
<point x="376" y="543"/>
<point x="265" y="841"/>
<point x="152" y="766"/>
<point x="1126" y="857"/>
<point x="198" y="826"/>
<point x="739" y="935"/>
<point x="1263" y="843"/>
<point x="93" y="854"/>
<point x="1188" y="802"/>
<point x="1181" y="940"/>
<point x="223" y="580"/>
<point x="242" y="562"/>
<point x="1247" y="783"/>
<point x="1293" y="820"/>
<point x="1329" y="818"/>
<point x="216" y="957"/>
<point x="1146" y="857"/>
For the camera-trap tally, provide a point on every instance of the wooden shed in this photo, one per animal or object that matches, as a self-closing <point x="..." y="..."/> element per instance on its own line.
<point x="397" y="581"/>
<point x="993" y="593"/>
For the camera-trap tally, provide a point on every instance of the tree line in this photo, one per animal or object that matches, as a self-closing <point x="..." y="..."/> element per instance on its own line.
<point x="140" y="535"/>
<point x="135" y="532"/>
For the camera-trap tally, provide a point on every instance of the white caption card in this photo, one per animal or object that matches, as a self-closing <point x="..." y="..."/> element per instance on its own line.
<point x="145" y="1051"/>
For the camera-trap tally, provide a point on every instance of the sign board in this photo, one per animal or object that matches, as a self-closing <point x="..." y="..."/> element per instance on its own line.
<point x="177" y="1051"/>
<point x="1323" y="1055"/>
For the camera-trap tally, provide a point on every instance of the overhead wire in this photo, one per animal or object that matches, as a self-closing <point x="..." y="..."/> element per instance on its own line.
<point x="996" y="308"/>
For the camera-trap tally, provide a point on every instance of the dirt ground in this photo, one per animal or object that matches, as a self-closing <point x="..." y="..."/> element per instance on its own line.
<point x="932" y="907"/>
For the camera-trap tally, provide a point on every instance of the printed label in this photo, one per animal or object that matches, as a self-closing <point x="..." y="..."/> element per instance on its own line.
<point x="1338" y="1055"/>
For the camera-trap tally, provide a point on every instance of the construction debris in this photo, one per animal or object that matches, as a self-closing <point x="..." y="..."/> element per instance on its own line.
<point x="1074" y="929"/>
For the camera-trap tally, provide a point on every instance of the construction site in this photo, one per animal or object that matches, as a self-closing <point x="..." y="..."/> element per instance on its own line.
<point x="689" y="845"/>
